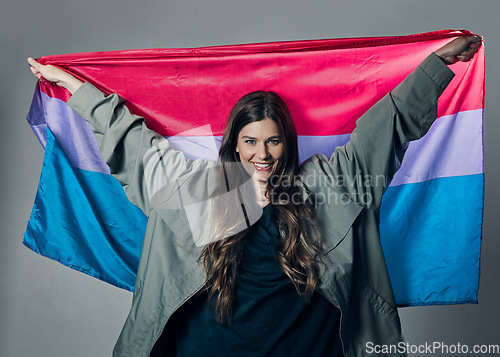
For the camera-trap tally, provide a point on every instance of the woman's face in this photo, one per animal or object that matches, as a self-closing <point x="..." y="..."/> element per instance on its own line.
<point x="260" y="148"/>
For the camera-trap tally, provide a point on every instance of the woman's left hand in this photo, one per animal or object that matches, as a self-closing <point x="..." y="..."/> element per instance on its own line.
<point x="461" y="49"/>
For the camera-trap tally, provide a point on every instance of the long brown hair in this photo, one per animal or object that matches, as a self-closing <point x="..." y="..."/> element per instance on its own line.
<point x="297" y="250"/>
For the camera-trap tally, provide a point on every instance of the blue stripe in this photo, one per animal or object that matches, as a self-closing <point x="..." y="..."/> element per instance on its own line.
<point x="84" y="220"/>
<point x="431" y="239"/>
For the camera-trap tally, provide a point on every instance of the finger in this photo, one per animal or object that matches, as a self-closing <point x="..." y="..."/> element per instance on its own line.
<point x="473" y="51"/>
<point x="35" y="72"/>
<point x="474" y="38"/>
<point x="34" y="63"/>
<point x="478" y="38"/>
<point x="463" y="58"/>
<point x="474" y="41"/>
<point x="469" y="52"/>
<point x="475" y="45"/>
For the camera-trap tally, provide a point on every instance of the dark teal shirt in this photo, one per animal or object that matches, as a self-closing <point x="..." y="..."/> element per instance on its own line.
<point x="270" y="318"/>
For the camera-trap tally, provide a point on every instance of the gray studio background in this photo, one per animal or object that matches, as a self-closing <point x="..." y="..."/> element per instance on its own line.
<point x="50" y="310"/>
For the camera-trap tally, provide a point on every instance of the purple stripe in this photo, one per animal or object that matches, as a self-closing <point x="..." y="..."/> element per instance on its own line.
<point x="36" y="117"/>
<point x="207" y="147"/>
<point x="311" y="145"/>
<point x="197" y="147"/>
<point x="452" y="147"/>
<point x="74" y="135"/>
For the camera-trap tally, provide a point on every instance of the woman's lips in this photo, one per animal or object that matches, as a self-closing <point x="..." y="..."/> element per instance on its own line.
<point x="262" y="166"/>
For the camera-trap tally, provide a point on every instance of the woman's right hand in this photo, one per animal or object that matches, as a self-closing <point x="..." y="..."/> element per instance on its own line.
<point x="461" y="49"/>
<point x="54" y="75"/>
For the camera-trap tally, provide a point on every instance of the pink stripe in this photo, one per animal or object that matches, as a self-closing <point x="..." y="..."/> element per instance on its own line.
<point x="327" y="84"/>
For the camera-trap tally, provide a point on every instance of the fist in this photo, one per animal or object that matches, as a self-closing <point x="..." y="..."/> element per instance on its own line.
<point x="461" y="49"/>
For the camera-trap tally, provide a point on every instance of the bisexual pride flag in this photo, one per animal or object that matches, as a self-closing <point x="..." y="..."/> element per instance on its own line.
<point x="431" y="216"/>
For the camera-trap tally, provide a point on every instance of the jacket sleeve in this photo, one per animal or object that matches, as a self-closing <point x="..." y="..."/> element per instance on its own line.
<point x="140" y="159"/>
<point x="362" y="169"/>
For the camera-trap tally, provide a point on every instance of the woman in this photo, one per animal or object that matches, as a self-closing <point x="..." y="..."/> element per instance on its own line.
<point x="306" y="278"/>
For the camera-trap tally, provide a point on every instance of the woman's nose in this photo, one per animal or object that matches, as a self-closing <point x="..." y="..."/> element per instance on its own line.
<point x="262" y="152"/>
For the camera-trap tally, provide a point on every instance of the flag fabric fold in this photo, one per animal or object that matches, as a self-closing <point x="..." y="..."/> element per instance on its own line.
<point x="431" y="215"/>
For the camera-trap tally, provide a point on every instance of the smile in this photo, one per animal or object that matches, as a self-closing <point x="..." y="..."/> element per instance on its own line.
<point x="262" y="166"/>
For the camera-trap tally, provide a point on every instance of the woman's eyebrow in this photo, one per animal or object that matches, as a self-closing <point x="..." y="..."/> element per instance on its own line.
<point x="271" y="137"/>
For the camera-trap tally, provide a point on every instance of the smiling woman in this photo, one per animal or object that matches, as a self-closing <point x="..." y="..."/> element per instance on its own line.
<point x="260" y="148"/>
<point x="260" y="134"/>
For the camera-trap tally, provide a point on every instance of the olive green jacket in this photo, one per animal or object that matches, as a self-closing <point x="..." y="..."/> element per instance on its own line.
<point x="346" y="191"/>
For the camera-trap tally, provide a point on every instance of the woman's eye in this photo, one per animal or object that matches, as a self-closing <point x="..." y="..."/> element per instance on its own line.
<point x="274" y="141"/>
<point x="250" y="141"/>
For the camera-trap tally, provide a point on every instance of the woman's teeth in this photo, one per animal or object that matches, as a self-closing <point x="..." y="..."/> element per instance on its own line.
<point x="262" y="166"/>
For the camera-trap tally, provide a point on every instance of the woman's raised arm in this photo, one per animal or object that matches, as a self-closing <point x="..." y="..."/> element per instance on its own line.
<point x="148" y="168"/>
<point x="363" y="168"/>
